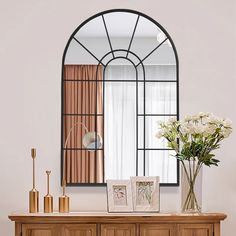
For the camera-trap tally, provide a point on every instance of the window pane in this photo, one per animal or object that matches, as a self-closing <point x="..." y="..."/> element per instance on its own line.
<point x="93" y="36"/>
<point x="120" y="31"/>
<point x="160" y="72"/>
<point x="145" y="38"/>
<point x="116" y="71"/>
<point x="163" y="55"/>
<point x="140" y="97"/>
<point x="163" y="164"/>
<point x="80" y="97"/>
<point x="140" y="131"/>
<point x="140" y="163"/>
<point x="160" y="98"/>
<point x="120" y="130"/>
<point x="82" y="166"/>
<point x="76" y="55"/>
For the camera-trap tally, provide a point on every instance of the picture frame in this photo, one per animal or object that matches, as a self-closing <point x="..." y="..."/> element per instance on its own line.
<point x="119" y="196"/>
<point x="146" y="193"/>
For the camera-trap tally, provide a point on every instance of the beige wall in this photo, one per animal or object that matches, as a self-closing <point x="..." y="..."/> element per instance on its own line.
<point x="33" y="35"/>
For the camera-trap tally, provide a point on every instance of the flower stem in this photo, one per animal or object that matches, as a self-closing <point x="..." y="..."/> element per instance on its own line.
<point x="191" y="202"/>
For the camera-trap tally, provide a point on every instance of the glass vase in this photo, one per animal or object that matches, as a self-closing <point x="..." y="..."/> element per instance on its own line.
<point x="191" y="183"/>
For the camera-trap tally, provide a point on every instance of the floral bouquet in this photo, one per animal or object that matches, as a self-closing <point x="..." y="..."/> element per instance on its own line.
<point x="194" y="139"/>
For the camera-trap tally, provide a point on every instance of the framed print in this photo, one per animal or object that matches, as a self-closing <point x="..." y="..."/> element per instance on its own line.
<point x="119" y="195"/>
<point x="146" y="193"/>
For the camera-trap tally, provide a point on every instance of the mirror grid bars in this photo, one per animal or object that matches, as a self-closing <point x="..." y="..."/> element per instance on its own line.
<point x="136" y="81"/>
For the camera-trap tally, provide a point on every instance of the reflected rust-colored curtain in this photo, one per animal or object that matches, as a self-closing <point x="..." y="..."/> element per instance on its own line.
<point x="81" y="105"/>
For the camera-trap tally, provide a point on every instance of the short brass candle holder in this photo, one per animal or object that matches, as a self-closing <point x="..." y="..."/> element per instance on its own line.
<point x="48" y="199"/>
<point x="64" y="201"/>
<point x="33" y="194"/>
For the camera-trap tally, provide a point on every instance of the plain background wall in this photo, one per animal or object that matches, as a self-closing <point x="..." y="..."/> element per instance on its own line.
<point x="33" y="35"/>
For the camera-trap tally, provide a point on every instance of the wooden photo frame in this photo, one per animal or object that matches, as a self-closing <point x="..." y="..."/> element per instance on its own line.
<point x="146" y="193"/>
<point x="119" y="195"/>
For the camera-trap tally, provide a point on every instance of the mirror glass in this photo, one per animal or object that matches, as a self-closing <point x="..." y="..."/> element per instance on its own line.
<point x="119" y="79"/>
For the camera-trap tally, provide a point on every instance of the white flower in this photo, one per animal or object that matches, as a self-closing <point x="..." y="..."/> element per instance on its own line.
<point x="226" y="132"/>
<point x="172" y="119"/>
<point x="199" y="129"/>
<point x="209" y="129"/>
<point x="207" y="114"/>
<point x="160" y="134"/>
<point x="187" y="118"/>
<point x="201" y="114"/>
<point x="204" y="114"/>
<point x="227" y="123"/>
<point x="187" y="128"/>
<point x="195" y="118"/>
<point x="204" y="129"/>
<point x="226" y="128"/>
<point x="215" y="120"/>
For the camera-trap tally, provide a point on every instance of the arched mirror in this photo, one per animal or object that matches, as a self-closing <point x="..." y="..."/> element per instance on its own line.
<point x="119" y="78"/>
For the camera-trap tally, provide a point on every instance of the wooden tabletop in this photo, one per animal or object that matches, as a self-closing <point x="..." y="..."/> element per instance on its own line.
<point x="96" y="217"/>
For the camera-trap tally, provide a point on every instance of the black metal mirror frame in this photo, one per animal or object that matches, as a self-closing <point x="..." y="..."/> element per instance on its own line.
<point x="140" y="62"/>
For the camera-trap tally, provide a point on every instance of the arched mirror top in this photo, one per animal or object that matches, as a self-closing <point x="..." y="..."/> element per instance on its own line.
<point x="120" y="32"/>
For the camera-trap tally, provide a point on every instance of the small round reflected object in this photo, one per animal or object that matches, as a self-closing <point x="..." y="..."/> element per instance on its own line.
<point x="91" y="142"/>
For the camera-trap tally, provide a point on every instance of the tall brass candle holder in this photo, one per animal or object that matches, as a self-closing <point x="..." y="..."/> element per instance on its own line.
<point x="48" y="199"/>
<point x="33" y="194"/>
<point x="64" y="201"/>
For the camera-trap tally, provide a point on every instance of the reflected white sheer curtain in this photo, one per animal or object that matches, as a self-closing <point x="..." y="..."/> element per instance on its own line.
<point x="120" y="122"/>
<point x="160" y="99"/>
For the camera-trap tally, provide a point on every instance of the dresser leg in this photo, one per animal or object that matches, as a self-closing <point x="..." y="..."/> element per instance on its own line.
<point x="217" y="229"/>
<point x="18" y="229"/>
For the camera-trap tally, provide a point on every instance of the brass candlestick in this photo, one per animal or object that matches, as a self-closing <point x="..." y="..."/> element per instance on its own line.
<point x="64" y="201"/>
<point x="48" y="199"/>
<point x="33" y="194"/>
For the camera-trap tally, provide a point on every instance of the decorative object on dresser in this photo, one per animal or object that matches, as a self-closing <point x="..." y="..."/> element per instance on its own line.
<point x="33" y="194"/>
<point x="116" y="224"/>
<point x="48" y="199"/>
<point x="146" y="194"/>
<point x="64" y="200"/>
<point x="119" y="196"/>
<point x="199" y="136"/>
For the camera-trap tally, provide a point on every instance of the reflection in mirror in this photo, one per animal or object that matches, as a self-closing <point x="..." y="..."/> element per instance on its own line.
<point x="120" y="77"/>
<point x="120" y="34"/>
<point x="120" y="117"/>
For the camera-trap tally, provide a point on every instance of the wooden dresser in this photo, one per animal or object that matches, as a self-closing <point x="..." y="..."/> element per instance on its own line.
<point x="107" y="224"/>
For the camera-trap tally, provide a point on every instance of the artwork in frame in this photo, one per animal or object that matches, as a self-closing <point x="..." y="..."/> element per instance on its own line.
<point x="119" y="195"/>
<point x="146" y="193"/>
